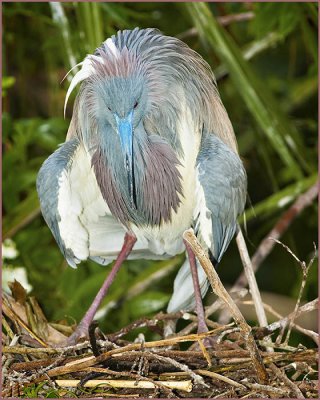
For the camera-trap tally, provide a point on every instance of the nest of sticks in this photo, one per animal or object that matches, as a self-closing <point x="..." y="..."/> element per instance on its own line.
<point x="242" y="361"/>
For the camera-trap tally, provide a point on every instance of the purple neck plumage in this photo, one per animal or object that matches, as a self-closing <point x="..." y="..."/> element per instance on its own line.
<point x="157" y="182"/>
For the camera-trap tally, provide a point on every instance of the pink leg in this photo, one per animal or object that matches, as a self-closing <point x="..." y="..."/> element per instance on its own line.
<point x="82" y="328"/>
<point x="202" y="326"/>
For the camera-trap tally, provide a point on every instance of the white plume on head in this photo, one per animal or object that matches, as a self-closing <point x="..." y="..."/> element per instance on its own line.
<point x="112" y="47"/>
<point x="86" y="70"/>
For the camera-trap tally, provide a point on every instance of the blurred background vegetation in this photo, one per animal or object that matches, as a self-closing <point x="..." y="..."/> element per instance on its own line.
<point x="265" y="59"/>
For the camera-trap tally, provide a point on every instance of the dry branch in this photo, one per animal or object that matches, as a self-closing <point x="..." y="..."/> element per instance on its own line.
<point x="185" y="386"/>
<point x="251" y="279"/>
<point x="221" y="292"/>
<point x="311" y="306"/>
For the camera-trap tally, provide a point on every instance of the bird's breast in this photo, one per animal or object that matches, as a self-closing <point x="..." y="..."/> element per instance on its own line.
<point x="167" y="237"/>
<point x="164" y="184"/>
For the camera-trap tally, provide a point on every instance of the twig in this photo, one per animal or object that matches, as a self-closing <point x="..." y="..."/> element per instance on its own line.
<point x="6" y="326"/>
<point x="134" y="346"/>
<point x="28" y="350"/>
<point x="228" y="19"/>
<point x="55" y="350"/>
<point x="214" y="375"/>
<point x="220" y="291"/>
<point x="92" y="338"/>
<point x="224" y="20"/>
<point x="205" y="353"/>
<point x="197" y="378"/>
<point x="305" y="270"/>
<point x="185" y="386"/>
<point x="12" y="315"/>
<point x="251" y="395"/>
<point x="142" y="322"/>
<point x="308" y="307"/>
<point x="227" y="332"/>
<point x="216" y="305"/>
<point x="282" y="376"/>
<point x="311" y="306"/>
<point x="266" y="388"/>
<point x="121" y="374"/>
<point x="266" y="245"/>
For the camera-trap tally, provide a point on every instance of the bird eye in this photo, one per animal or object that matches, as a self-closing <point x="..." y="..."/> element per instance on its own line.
<point x="135" y="105"/>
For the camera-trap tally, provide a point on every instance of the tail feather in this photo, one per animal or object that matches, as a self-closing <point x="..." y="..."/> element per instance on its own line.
<point x="183" y="290"/>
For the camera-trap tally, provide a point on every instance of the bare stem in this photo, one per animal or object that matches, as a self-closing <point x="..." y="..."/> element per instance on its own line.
<point x="220" y="291"/>
<point x="305" y="270"/>
<point x="249" y="272"/>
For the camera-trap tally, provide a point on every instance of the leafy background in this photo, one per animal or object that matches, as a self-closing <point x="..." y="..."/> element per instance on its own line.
<point x="266" y="66"/>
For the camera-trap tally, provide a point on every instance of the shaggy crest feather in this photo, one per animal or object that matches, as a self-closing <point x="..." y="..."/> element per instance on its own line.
<point x="86" y="70"/>
<point x="165" y="63"/>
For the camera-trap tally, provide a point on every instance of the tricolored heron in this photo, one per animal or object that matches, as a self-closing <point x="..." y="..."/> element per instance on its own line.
<point x="150" y="152"/>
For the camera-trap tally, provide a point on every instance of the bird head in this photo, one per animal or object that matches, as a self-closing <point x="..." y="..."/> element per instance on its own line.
<point x="119" y="101"/>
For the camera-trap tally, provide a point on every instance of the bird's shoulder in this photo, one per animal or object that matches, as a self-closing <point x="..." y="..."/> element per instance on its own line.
<point x="220" y="167"/>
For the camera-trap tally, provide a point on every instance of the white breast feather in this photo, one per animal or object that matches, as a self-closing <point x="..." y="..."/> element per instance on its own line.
<point x="87" y="226"/>
<point x="168" y="239"/>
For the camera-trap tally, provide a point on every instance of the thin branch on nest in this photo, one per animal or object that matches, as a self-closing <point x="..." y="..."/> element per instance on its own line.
<point x="283" y="321"/>
<point x="305" y="270"/>
<point x="220" y="291"/>
<point x="185" y="386"/>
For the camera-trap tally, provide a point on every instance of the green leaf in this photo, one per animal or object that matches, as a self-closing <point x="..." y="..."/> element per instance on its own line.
<point x="280" y="17"/>
<point x="79" y="287"/>
<point x="8" y="82"/>
<point x="21" y="215"/>
<point x="277" y="128"/>
<point x="301" y="90"/>
<point x="147" y="303"/>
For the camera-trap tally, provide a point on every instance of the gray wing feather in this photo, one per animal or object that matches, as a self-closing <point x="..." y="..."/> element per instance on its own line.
<point x="48" y="191"/>
<point x="223" y="179"/>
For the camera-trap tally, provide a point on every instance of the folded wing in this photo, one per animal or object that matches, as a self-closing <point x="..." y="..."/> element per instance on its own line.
<point x="221" y="187"/>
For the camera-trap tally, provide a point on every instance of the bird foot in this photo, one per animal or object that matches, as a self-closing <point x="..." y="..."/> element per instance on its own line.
<point x="80" y="335"/>
<point x="210" y="342"/>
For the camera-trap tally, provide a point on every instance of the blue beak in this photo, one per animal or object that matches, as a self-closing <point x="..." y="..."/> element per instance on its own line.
<point x="125" y="131"/>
